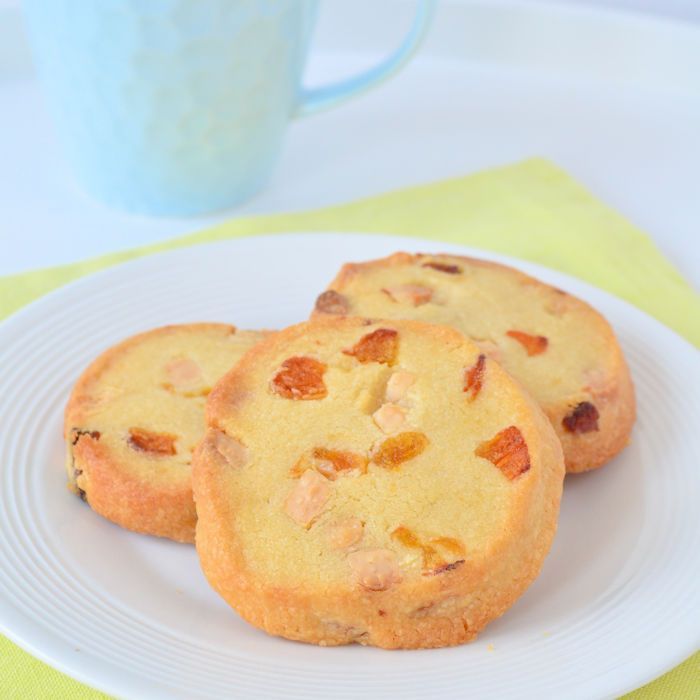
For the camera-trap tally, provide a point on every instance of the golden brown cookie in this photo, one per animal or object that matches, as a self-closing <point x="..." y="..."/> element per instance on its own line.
<point x="562" y="350"/>
<point x="381" y="483"/>
<point x="134" y="417"/>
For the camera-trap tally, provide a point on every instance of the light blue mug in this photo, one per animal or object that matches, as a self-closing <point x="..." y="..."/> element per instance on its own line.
<point x="179" y="107"/>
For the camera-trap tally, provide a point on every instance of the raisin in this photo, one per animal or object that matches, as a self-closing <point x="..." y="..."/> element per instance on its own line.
<point x="380" y="346"/>
<point x="443" y="267"/>
<point x="533" y="344"/>
<point x="583" y="418"/>
<point x="399" y="448"/>
<point x="300" y="378"/>
<point x="474" y="377"/>
<point x="77" y="433"/>
<point x="445" y="567"/>
<point x="508" y="451"/>
<point x="332" y="302"/>
<point x="161" y="444"/>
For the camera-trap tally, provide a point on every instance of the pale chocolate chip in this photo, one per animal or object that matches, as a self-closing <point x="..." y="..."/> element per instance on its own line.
<point x="307" y="499"/>
<point x="375" y="569"/>
<point x="398" y="385"/>
<point x="389" y="418"/>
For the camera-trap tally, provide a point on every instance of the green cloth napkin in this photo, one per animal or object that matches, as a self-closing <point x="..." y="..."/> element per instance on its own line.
<point x="531" y="210"/>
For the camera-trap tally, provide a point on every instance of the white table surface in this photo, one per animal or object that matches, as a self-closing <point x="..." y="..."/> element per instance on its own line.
<point x="608" y="95"/>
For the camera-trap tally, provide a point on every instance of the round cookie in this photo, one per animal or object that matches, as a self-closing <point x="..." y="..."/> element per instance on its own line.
<point x="562" y="350"/>
<point x="134" y="417"/>
<point x="381" y="483"/>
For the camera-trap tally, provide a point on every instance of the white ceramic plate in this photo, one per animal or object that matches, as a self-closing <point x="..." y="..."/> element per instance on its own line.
<point x="617" y="603"/>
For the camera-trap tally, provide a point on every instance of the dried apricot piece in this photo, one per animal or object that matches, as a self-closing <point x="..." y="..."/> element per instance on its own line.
<point x="380" y="346"/>
<point x="433" y="561"/>
<point x="533" y="344"/>
<point x="399" y="448"/>
<point x="307" y="499"/>
<point x="413" y="294"/>
<point x="161" y="444"/>
<point x="443" y="267"/>
<point x="375" y="569"/>
<point x="332" y="302"/>
<point x="300" y="466"/>
<point x="406" y="537"/>
<point x="508" y="451"/>
<point x="331" y="462"/>
<point x="582" y="419"/>
<point x="474" y="377"/>
<point x="301" y="379"/>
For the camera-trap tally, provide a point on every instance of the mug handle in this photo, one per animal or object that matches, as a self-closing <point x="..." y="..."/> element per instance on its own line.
<point x="321" y="98"/>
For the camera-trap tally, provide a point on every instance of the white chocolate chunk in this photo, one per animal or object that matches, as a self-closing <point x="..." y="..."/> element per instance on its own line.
<point x="389" y="417"/>
<point x="375" y="569"/>
<point x="306" y="500"/>
<point x="345" y="533"/>
<point x="233" y="452"/>
<point x="398" y="385"/>
<point x="183" y="372"/>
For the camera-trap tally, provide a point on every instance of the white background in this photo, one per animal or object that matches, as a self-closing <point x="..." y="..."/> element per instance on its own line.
<point x="635" y="145"/>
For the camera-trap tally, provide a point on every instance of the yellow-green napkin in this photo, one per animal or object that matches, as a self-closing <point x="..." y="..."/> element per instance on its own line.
<point x="531" y="210"/>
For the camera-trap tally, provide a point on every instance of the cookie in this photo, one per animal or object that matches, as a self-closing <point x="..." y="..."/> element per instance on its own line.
<point x="381" y="483"/>
<point x="134" y="417"/>
<point x="562" y="350"/>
